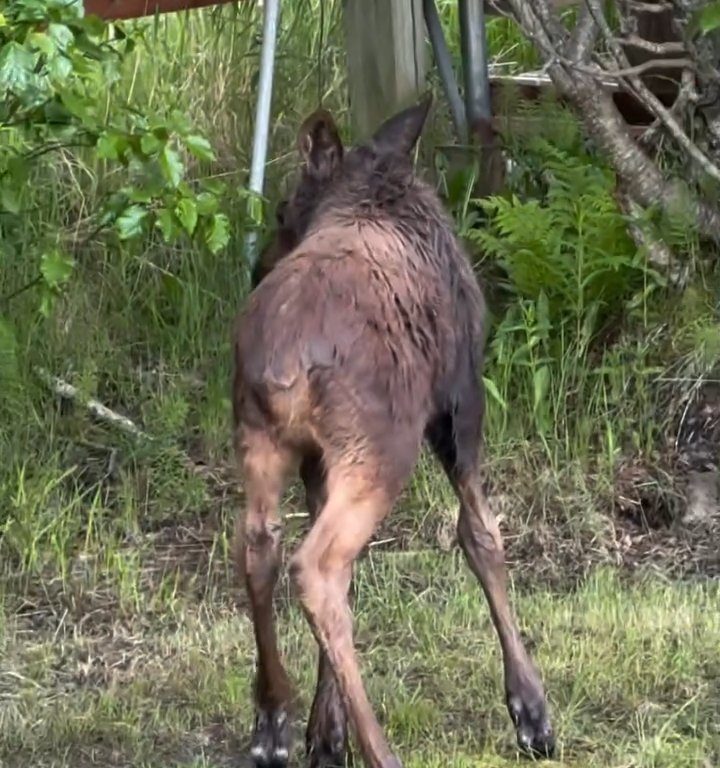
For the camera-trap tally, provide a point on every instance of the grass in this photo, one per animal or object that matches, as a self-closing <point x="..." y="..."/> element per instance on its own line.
<point x="119" y="644"/>
<point x="632" y="669"/>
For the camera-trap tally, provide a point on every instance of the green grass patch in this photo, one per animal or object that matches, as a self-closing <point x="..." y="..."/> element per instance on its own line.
<point x="632" y="670"/>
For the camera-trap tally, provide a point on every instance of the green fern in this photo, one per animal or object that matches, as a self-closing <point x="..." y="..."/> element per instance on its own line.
<point x="572" y="244"/>
<point x="570" y="268"/>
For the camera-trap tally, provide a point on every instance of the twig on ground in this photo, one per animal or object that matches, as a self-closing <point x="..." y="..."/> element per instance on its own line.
<point x="68" y="391"/>
<point x="216" y="476"/>
<point x="382" y="542"/>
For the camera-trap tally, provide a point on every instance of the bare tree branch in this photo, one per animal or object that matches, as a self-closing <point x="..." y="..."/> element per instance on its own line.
<point x="641" y="7"/>
<point x="582" y="40"/>
<point x="660" y="49"/>
<point x="64" y="389"/>
<point x="648" y="98"/>
<point x="686" y="95"/>
<point x="659" y="254"/>
<point x="645" y="182"/>
<point x="639" y="69"/>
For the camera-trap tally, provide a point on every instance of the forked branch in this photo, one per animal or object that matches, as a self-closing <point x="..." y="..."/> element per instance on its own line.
<point x="581" y="82"/>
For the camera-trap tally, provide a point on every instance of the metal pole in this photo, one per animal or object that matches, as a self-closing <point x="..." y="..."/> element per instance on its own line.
<point x="473" y="45"/>
<point x="271" y="14"/>
<point x="444" y="65"/>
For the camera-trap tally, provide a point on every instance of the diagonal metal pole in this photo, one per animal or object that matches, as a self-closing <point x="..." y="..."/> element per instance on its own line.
<point x="444" y="65"/>
<point x="271" y="15"/>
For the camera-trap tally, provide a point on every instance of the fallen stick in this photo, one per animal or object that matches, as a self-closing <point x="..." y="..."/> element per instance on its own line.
<point x="64" y="389"/>
<point x="69" y="392"/>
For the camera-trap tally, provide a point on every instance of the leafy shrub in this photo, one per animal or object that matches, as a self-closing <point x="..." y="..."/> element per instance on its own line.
<point x="571" y="246"/>
<point x="569" y="269"/>
<point x="58" y="72"/>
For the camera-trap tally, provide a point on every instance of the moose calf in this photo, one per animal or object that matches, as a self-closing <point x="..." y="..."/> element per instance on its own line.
<point x="364" y="336"/>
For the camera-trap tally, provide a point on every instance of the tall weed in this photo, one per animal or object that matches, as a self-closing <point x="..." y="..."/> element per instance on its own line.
<point x="569" y="276"/>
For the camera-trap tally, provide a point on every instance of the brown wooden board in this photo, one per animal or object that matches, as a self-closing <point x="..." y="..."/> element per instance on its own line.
<point x="135" y="9"/>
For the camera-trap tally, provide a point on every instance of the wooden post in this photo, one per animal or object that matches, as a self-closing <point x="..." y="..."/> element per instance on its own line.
<point x="386" y="57"/>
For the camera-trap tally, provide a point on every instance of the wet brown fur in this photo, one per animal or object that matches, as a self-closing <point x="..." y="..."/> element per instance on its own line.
<point x="364" y="335"/>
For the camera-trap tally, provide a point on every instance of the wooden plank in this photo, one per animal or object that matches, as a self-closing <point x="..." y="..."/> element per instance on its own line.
<point x="135" y="9"/>
<point x="387" y="58"/>
<point x="506" y="91"/>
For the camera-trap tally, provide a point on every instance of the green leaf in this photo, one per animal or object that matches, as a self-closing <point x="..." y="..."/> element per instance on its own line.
<point x="92" y="25"/>
<point x="47" y="300"/>
<point x="543" y="310"/>
<point x="150" y="144"/>
<point x="60" y="69"/>
<point x="213" y="186"/>
<point x="218" y="234"/>
<point x="200" y="147"/>
<point x="167" y="224"/>
<point x="494" y="392"/>
<point x="541" y="380"/>
<point x="16" y="68"/>
<point x="139" y="194"/>
<point x="255" y="209"/>
<point x="44" y="43"/>
<point x="707" y="18"/>
<point x="77" y="104"/>
<point x="56" y="268"/>
<point x="61" y="35"/>
<point x="9" y="198"/>
<point x="18" y="169"/>
<point x="70" y="9"/>
<point x="111" y="146"/>
<point x="179" y="123"/>
<point x="3" y="21"/>
<point x="188" y="214"/>
<point x="172" y="166"/>
<point x="130" y="222"/>
<point x="207" y="203"/>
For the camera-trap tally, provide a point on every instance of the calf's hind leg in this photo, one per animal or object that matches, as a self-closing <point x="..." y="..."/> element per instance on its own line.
<point x="455" y="439"/>
<point x="322" y="569"/>
<point x="326" y="739"/>
<point x="257" y="558"/>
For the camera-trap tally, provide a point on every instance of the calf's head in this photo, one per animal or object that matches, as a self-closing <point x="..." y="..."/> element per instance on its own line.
<point x="326" y="167"/>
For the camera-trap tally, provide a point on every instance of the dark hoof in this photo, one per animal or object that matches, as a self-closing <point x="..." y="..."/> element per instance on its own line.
<point x="535" y="735"/>
<point x="328" y="747"/>
<point x="323" y="757"/>
<point x="270" y="746"/>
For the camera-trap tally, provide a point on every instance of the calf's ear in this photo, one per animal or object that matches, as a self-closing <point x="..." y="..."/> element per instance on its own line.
<point x="319" y="144"/>
<point x="400" y="133"/>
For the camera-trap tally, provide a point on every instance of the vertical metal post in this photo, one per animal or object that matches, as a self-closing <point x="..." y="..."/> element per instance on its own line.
<point x="473" y="45"/>
<point x="444" y="65"/>
<point x="271" y="14"/>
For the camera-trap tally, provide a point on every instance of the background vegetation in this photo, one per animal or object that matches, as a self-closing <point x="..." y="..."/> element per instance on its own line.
<point x="123" y="159"/>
